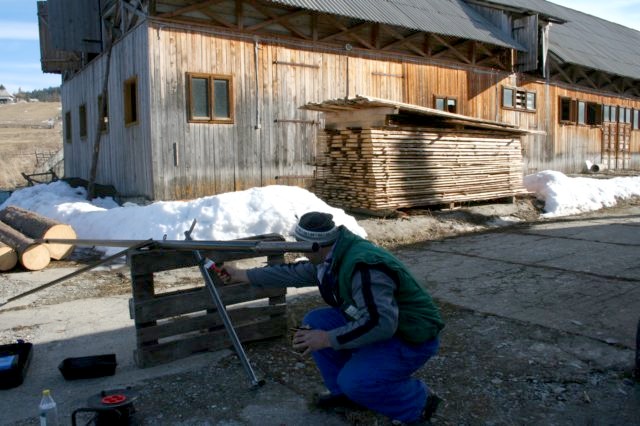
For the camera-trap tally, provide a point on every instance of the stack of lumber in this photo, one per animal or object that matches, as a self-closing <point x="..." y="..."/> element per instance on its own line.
<point x="387" y="168"/>
<point x="19" y="230"/>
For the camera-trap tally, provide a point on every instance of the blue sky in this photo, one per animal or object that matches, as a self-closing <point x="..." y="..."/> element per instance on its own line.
<point x="20" y="47"/>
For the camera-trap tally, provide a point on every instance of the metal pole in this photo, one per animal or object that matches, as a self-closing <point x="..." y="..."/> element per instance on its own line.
<point x="73" y="274"/>
<point x="211" y="286"/>
<point x="257" y="246"/>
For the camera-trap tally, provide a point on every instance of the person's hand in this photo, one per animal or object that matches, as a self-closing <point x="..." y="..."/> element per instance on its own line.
<point x="231" y="274"/>
<point x="306" y="341"/>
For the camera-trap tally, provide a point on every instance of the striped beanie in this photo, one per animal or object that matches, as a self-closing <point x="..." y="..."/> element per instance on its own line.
<point x="316" y="227"/>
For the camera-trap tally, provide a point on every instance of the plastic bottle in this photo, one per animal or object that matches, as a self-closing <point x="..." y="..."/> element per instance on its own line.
<point x="48" y="410"/>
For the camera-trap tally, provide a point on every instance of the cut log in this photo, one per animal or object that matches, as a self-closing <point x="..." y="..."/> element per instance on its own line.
<point x="33" y="256"/>
<point x="36" y="226"/>
<point x="8" y="257"/>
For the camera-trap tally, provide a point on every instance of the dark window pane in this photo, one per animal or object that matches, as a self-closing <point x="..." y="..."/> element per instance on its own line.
<point x="565" y="109"/>
<point x="200" y="97"/>
<point x="221" y="99"/>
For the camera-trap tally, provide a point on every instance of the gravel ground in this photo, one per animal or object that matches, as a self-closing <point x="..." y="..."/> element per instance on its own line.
<point x="490" y="370"/>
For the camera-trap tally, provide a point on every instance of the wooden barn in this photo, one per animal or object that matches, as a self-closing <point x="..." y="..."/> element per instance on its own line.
<point x="188" y="98"/>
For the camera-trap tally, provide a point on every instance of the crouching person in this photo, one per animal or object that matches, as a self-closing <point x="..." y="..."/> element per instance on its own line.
<point x="380" y="327"/>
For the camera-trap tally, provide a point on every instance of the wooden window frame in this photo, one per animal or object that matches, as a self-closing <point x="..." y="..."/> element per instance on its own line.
<point x="104" y="113"/>
<point x="519" y="99"/>
<point x="131" y="106"/>
<point x="572" y="110"/>
<point x="445" y="100"/>
<point x="211" y="118"/>
<point x="68" y="130"/>
<point x="593" y="114"/>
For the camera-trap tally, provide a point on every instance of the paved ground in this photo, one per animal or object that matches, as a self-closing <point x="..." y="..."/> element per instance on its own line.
<point x="541" y="330"/>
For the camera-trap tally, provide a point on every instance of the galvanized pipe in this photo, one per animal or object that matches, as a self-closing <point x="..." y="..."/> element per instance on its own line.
<point x="254" y="246"/>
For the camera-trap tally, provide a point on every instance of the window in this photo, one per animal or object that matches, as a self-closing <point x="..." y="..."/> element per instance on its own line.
<point x="131" y="101"/>
<point x="606" y="113"/>
<point x="567" y="110"/>
<point x="636" y="120"/>
<point x="513" y="98"/>
<point x="67" y="127"/>
<point x="104" y="113"/>
<point x="594" y="113"/>
<point x="82" y="112"/>
<point x="210" y="98"/>
<point x="627" y="117"/>
<point x="613" y="115"/>
<point x="446" y="104"/>
<point x="507" y="97"/>
<point x="581" y="112"/>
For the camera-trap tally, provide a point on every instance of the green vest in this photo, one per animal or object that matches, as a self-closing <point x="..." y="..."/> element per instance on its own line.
<point x="419" y="319"/>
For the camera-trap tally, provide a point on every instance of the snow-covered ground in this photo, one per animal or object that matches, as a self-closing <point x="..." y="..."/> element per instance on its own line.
<point x="271" y="209"/>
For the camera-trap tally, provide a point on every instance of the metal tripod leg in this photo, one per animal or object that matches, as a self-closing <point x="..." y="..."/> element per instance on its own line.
<point x="209" y="281"/>
<point x="211" y="286"/>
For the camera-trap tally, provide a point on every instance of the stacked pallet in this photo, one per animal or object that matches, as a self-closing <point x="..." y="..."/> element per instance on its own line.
<point x="387" y="168"/>
<point x="19" y="231"/>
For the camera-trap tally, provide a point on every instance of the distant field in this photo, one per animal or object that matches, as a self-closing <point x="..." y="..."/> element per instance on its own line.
<point x="28" y="132"/>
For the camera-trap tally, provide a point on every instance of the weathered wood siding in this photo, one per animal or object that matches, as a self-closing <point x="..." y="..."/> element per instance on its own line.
<point x="125" y="155"/>
<point x="271" y="140"/>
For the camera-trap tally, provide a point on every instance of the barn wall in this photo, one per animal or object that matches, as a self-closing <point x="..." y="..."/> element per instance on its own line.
<point x="124" y="159"/>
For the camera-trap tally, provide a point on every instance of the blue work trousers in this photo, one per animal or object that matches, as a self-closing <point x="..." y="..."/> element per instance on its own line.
<point x="376" y="376"/>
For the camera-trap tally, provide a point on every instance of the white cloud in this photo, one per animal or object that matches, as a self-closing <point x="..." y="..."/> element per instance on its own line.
<point x="10" y="30"/>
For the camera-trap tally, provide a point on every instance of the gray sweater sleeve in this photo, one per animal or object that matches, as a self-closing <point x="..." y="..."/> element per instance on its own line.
<point x="299" y="274"/>
<point x="375" y="314"/>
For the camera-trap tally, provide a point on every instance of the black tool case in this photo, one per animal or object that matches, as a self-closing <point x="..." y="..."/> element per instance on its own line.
<point x="14" y="362"/>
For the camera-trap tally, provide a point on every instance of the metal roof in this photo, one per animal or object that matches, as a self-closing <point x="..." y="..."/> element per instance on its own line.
<point x="587" y="40"/>
<point x="445" y="17"/>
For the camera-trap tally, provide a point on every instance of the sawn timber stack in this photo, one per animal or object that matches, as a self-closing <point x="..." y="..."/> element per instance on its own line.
<point x="379" y="155"/>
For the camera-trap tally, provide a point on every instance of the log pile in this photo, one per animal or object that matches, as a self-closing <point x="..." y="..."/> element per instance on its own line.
<point x="19" y="230"/>
<point x="387" y="168"/>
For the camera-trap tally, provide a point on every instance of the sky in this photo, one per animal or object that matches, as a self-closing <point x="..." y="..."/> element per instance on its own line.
<point x="271" y="209"/>
<point x="20" y="47"/>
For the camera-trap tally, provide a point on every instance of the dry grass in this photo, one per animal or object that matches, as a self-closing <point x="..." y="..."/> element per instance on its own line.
<point x="23" y="133"/>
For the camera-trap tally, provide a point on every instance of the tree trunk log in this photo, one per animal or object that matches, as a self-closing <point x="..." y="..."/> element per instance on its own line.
<point x="32" y="256"/>
<point x="36" y="226"/>
<point x="8" y="257"/>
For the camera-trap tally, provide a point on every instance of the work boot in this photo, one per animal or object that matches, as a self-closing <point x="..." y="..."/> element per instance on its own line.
<point x="328" y="401"/>
<point x="430" y="407"/>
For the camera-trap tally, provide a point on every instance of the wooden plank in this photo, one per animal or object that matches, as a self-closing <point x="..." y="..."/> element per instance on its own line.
<point x="197" y="299"/>
<point x="208" y="321"/>
<point x="160" y="353"/>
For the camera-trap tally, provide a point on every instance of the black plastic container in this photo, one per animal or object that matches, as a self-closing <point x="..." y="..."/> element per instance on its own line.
<point x="14" y="362"/>
<point x="88" y="367"/>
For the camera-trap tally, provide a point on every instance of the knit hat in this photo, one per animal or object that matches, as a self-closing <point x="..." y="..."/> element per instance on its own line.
<point x="316" y="227"/>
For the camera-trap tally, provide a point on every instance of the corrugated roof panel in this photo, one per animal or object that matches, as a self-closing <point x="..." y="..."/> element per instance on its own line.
<point x="446" y="17"/>
<point x="587" y="40"/>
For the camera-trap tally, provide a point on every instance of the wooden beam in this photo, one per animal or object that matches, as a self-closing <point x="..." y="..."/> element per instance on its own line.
<point x="452" y="48"/>
<point x="278" y="19"/>
<point x="192" y="6"/>
<point x="348" y="31"/>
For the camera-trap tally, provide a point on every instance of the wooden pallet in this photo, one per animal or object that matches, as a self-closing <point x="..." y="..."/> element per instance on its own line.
<point x="176" y="324"/>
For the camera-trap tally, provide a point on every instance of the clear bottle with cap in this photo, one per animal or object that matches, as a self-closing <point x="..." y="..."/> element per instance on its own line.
<point x="48" y="410"/>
